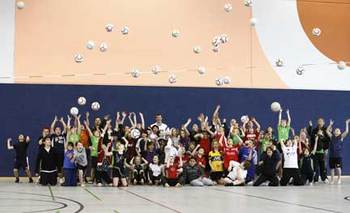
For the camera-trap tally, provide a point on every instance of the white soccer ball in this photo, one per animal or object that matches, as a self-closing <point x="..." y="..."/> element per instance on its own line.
<point x="341" y="65"/>
<point x="224" y="38"/>
<point x="103" y="47"/>
<point x="135" y="73"/>
<point x="279" y="62"/>
<point x="125" y="30"/>
<point x="175" y="33"/>
<point x="244" y="118"/>
<point x="74" y="111"/>
<point x="275" y="107"/>
<point x="109" y="27"/>
<point x="156" y="69"/>
<point x="20" y="5"/>
<point x="227" y="7"/>
<point x="172" y="78"/>
<point x="316" y="32"/>
<point x="197" y="49"/>
<point x="227" y="80"/>
<point x="90" y="45"/>
<point x="300" y="70"/>
<point x="78" y="58"/>
<point x="201" y="70"/>
<point x="81" y="101"/>
<point x="95" y="106"/>
<point x="219" y="81"/>
<point x="248" y="3"/>
<point x="253" y="22"/>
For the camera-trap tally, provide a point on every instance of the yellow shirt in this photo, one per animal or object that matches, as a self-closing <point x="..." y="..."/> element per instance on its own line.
<point x="216" y="161"/>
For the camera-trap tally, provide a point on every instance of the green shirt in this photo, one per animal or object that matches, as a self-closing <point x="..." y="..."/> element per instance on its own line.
<point x="235" y="139"/>
<point x="94" y="144"/>
<point x="74" y="138"/>
<point x="283" y="133"/>
<point x="264" y="143"/>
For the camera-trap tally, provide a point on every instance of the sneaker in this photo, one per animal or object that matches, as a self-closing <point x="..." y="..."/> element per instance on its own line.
<point x="326" y="181"/>
<point x="166" y="185"/>
<point x="17" y="180"/>
<point x="61" y="181"/>
<point x="311" y="184"/>
<point x="99" y="184"/>
<point x="82" y="185"/>
<point x="339" y="181"/>
<point x="31" y="180"/>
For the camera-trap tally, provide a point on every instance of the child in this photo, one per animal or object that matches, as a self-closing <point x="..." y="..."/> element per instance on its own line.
<point x="230" y="153"/>
<point x="283" y="126"/>
<point x="270" y="163"/>
<point x="237" y="173"/>
<point x="47" y="164"/>
<point x="290" y="167"/>
<point x="94" y="139"/>
<point x="194" y="175"/>
<point x="154" y="171"/>
<point x="119" y="163"/>
<point x="247" y="152"/>
<point x="216" y="163"/>
<point x="69" y="166"/>
<point x="306" y="165"/>
<point x="336" y="149"/>
<point x="172" y="172"/>
<point x="200" y="158"/>
<point x="138" y="164"/>
<point x="21" y="156"/>
<point x="81" y="162"/>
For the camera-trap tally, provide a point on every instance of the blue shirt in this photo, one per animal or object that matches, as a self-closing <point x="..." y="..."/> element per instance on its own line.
<point x="67" y="163"/>
<point x="336" y="147"/>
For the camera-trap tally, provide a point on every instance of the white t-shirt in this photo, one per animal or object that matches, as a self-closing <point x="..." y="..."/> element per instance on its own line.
<point x="290" y="157"/>
<point x="162" y="127"/>
<point x="233" y="174"/>
<point x="156" y="170"/>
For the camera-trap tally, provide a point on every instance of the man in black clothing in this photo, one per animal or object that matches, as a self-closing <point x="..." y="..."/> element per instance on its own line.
<point x="322" y="147"/>
<point x="21" y="156"/>
<point x="270" y="162"/>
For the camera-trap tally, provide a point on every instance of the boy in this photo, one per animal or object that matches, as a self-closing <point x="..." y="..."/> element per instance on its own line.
<point x="194" y="175"/>
<point x="21" y="156"/>
<point x="336" y="149"/>
<point x="283" y="126"/>
<point x="69" y="166"/>
<point x="270" y="162"/>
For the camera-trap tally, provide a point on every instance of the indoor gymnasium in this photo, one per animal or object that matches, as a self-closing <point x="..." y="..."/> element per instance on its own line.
<point x="178" y="106"/>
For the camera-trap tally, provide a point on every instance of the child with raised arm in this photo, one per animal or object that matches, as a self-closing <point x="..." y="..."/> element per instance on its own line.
<point x="70" y="174"/>
<point x="172" y="172"/>
<point x="290" y="167"/>
<point x="138" y="165"/>
<point x="21" y="158"/>
<point x="283" y="127"/>
<point x="73" y="132"/>
<point x="336" y="149"/>
<point x="94" y="139"/>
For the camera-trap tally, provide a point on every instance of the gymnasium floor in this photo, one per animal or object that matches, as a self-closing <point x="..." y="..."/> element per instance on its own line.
<point x="30" y="198"/>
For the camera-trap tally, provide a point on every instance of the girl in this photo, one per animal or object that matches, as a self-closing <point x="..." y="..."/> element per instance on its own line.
<point x="172" y="172"/>
<point x="336" y="149"/>
<point x="306" y="166"/>
<point x="230" y="153"/>
<point x="21" y="156"/>
<point x="73" y="133"/>
<point x="237" y="173"/>
<point x="247" y="152"/>
<point x="216" y="163"/>
<point x="200" y="157"/>
<point x="154" y="171"/>
<point x="47" y="164"/>
<point x="81" y="162"/>
<point x="69" y="166"/>
<point x="290" y="167"/>
<point x="103" y="160"/>
<point x="119" y="164"/>
<point x="138" y="164"/>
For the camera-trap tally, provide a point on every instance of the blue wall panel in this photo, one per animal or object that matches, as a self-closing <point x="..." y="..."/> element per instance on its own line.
<point x="28" y="108"/>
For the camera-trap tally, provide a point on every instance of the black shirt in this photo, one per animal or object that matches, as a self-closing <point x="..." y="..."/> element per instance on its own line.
<point x="270" y="163"/>
<point x="21" y="150"/>
<point x="47" y="160"/>
<point x="58" y="142"/>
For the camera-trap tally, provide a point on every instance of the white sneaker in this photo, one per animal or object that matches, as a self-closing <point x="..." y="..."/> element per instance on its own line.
<point x="82" y="185"/>
<point x="61" y="180"/>
<point x="99" y="184"/>
<point x="311" y="184"/>
<point x="339" y="181"/>
<point x="326" y="181"/>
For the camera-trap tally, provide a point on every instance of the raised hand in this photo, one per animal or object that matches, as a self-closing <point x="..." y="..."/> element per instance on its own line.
<point x="55" y="119"/>
<point x="331" y="122"/>
<point x="27" y="138"/>
<point x="310" y="123"/>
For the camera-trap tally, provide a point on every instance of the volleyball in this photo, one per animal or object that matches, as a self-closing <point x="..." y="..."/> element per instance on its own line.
<point x="228" y="7"/>
<point x="197" y="49"/>
<point x="275" y="107"/>
<point x="244" y="118"/>
<point x="316" y="31"/>
<point x="20" y="5"/>
<point x="219" y="82"/>
<point x="135" y="133"/>
<point x="90" y="45"/>
<point x="74" y="111"/>
<point x="78" y="58"/>
<point x="341" y="65"/>
<point x="109" y="27"/>
<point x="103" y="47"/>
<point x="227" y="80"/>
<point x="253" y="22"/>
<point x="95" y="106"/>
<point x="279" y="62"/>
<point x="175" y="33"/>
<point x="156" y="69"/>
<point x="125" y="30"/>
<point x="135" y="73"/>
<point x="172" y="78"/>
<point x="81" y="101"/>
<point x="300" y="70"/>
<point x="201" y="70"/>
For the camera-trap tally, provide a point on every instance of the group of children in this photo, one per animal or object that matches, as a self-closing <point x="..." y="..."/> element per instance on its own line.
<point x="209" y="153"/>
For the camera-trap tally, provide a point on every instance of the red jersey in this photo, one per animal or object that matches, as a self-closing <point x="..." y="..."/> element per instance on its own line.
<point x="171" y="171"/>
<point x="252" y="136"/>
<point x="201" y="161"/>
<point x="205" y="144"/>
<point x="230" y="153"/>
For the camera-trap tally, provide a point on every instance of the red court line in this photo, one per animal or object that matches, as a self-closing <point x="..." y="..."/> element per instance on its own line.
<point x="151" y="201"/>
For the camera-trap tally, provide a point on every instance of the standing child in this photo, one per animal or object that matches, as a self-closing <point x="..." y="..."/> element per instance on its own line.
<point x="306" y="165"/>
<point x="81" y="162"/>
<point x="336" y="149"/>
<point x="283" y="128"/>
<point x="94" y="138"/>
<point x="119" y="164"/>
<point x="216" y="163"/>
<point x="248" y="152"/>
<point x="69" y="166"/>
<point x="21" y="156"/>
<point x="47" y="164"/>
